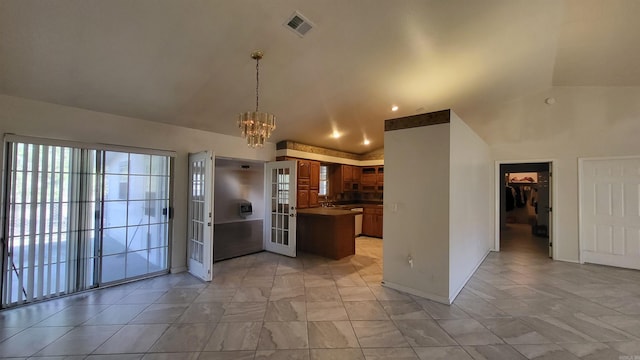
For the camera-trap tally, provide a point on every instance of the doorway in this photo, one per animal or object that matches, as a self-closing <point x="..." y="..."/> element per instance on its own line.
<point x="239" y="202"/>
<point x="525" y="221"/>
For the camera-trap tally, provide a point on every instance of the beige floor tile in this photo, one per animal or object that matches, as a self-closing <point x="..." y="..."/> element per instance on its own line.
<point x="331" y="334"/>
<point x="282" y="355"/>
<point x="132" y="339"/>
<point x="286" y="311"/>
<point x="184" y="337"/>
<point x="30" y="341"/>
<point x="365" y="310"/>
<point x="234" y="336"/>
<point x="326" y="310"/>
<point x="81" y="340"/>
<point x="336" y="354"/>
<point x="376" y="334"/>
<point x="284" y="335"/>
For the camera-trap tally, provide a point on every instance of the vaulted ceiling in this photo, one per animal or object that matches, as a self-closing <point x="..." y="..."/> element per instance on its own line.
<point x="188" y="62"/>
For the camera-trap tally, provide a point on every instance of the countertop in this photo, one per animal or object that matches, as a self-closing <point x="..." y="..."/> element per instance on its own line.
<point x="353" y="206"/>
<point x="328" y="211"/>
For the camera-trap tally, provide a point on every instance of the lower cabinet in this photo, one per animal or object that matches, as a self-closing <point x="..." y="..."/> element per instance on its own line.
<point x="303" y="199"/>
<point x="313" y="198"/>
<point x="372" y="221"/>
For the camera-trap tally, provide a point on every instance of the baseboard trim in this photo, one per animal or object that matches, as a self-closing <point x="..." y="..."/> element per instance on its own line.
<point x="422" y="294"/>
<point x="569" y="261"/>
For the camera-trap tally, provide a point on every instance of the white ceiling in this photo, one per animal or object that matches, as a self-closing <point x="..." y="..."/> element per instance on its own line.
<point x="187" y="62"/>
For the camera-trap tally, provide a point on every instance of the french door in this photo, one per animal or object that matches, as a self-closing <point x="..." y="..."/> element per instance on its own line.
<point x="280" y="186"/>
<point x="76" y="217"/>
<point x="201" y="215"/>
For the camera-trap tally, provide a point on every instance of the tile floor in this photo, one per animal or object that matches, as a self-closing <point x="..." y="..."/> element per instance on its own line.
<point x="519" y="305"/>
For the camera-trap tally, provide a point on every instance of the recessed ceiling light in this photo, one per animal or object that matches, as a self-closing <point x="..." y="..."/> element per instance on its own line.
<point x="394" y="108"/>
<point x="366" y="142"/>
<point x="335" y="134"/>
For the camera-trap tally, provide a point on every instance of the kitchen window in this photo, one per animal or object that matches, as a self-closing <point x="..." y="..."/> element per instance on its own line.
<point x="324" y="181"/>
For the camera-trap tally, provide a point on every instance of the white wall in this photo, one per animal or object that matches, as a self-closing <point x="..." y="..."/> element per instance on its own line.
<point x="471" y="206"/>
<point x="417" y="182"/>
<point x="233" y="184"/>
<point x="34" y="118"/>
<point x="584" y="122"/>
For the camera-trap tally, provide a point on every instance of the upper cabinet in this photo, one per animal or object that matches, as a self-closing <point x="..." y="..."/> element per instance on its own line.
<point x="308" y="182"/>
<point x="344" y="178"/>
<point x="304" y="169"/>
<point x="372" y="179"/>
<point x="314" y="171"/>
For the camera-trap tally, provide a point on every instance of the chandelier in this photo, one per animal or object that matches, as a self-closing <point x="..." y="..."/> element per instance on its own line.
<point x="256" y="126"/>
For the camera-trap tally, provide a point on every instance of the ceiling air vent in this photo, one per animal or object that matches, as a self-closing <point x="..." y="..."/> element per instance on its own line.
<point x="298" y="24"/>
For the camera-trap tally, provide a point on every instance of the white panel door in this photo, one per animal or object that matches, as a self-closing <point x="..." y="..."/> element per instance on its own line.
<point x="200" y="246"/>
<point x="610" y="211"/>
<point x="280" y="224"/>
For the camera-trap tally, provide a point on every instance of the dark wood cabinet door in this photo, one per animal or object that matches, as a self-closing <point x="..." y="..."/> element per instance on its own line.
<point x="303" y="199"/>
<point x="347" y="173"/>
<point x="368" y="226"/>
<point x="304" y="171"/>
<point x="314" y="174"/>
<point x="378" y="226"/>
<point x="357" y="173"/>
<point x="313" y="198"/>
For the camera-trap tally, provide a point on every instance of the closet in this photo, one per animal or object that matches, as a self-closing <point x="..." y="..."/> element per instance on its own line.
<point x="522" y="201"/>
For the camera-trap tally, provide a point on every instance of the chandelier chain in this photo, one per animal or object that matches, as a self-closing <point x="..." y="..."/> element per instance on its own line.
<point x="257" y="81"/>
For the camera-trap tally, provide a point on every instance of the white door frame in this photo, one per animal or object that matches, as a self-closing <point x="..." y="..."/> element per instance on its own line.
<point x="581" y="161"/>
<point x="554" y="202"/>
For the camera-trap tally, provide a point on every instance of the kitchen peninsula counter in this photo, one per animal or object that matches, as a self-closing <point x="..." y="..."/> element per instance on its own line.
<point x="326" y="232"/>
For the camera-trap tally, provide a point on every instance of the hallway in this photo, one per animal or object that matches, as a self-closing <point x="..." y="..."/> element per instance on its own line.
<point x="518" y="305"/>
<point x="518" y="239"/>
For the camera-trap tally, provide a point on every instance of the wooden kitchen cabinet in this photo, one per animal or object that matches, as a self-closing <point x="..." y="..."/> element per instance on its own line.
<point x="302" y="198"/>
<point x="347" y="173"/>
<point x="313" y="198"/>
<point x="357" y="174"/>
<point x="369" y="175"/>
<point x="308" y="184"/>
<point x="342" y="179"/>
<point x="304" y="169"/>
<point x="367" y="223"/>
<point x="372" y="221"/>
<point x="314" y="173"/>
<point x="372" y="179"/>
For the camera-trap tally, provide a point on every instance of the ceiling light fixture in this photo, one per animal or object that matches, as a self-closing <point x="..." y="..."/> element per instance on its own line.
<point x="394" y="108"/>
<point x="335" y="134"/>
<point x="366" y="142"/>
<point x="256" y="126"/>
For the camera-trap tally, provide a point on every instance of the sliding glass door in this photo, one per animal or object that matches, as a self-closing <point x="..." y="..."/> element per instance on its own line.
<point x="135" y="224"/>
<point x="79" y="217"/>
